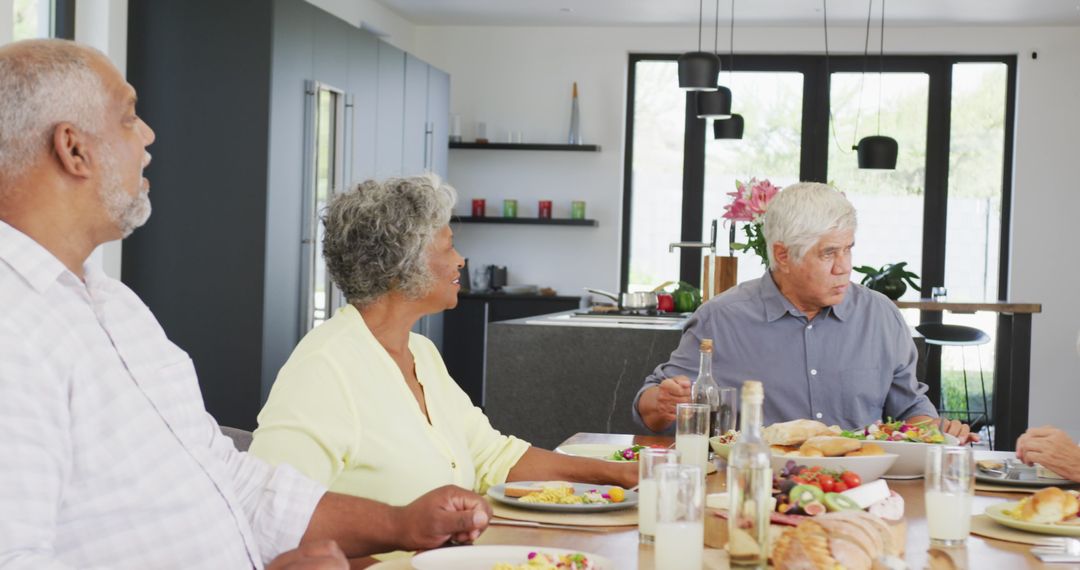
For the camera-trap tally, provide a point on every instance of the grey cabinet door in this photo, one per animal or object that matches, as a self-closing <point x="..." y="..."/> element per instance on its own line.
<point x="416" y="148"/>
<point x="390" y="108"/>
<point x="438" y="113"/>
<point x="363" y="87"/>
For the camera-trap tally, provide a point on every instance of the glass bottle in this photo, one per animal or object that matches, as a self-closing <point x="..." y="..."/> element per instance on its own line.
<point x="749" y="480"/>
<point x="704" y="390"/>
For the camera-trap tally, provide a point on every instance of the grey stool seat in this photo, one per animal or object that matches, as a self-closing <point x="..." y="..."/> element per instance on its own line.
<point x="943" y="335"/>
<point x="952" y="335"/>
<point x="241" y="437"/>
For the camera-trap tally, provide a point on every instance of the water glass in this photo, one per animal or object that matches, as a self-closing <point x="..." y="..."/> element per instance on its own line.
<point x="729" y="407"/>
<point x="649" y="459"/>
<point x="950" y="488"/>
<point x="680" y="517"/>
<point x="692" y="434"/>
<point x="939" y="294"/>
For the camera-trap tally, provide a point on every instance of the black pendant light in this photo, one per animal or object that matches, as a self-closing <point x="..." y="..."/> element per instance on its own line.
<point x="698" y="69"/>
<point x="876" y="152"/>
<point x="715" y="104"/>
<point x="731" y="127"/>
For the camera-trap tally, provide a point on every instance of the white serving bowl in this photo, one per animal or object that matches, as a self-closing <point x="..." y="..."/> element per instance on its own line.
<point x="868" y="467"/>
<point x="911" y="463"/>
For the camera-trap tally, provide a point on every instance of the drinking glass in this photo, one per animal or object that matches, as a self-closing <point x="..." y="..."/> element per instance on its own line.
<point x="950" y="487"/>
<point x="692" y="434"/>
<point x="649" y="459"/>
<point x="729" y="406"/>
<point x="680" y="517"/>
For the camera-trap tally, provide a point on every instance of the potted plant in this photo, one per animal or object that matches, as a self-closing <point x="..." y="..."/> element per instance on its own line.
<point x="892" y="279"/>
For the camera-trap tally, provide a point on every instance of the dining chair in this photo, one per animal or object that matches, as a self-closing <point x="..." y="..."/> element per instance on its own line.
<point x="241" y="437"/>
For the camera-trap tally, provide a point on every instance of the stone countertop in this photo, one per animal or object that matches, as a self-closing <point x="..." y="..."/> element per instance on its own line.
<point x="582" y="319"/>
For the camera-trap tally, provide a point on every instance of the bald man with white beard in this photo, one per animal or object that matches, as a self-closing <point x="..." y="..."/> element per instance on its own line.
<point x="108" y="457"/>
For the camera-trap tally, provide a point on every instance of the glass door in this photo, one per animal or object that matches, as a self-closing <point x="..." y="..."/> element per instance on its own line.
<point x="324" y="175"/>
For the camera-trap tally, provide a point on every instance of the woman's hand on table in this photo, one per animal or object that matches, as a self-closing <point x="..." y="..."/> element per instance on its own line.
<point x="318" y="555"/>
<point x="1052" y="448"/>
<point x="447" y="514"/>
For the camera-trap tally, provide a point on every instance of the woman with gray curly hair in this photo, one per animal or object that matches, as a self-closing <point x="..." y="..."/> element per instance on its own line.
<point x="366" y="406"/>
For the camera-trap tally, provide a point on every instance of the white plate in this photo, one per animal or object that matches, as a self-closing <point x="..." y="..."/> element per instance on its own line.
<point x="997" y="513"/>
<point x="606" y="451"/>
<point x="911" y="463"/>
<point x="486" y="557"/>
<point x="497" y="492"/>
<point x="594" y="450"/>
<point x="868" y="467"/>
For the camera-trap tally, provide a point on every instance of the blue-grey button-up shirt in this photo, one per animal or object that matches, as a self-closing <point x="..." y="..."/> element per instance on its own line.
<point x="853" y="364"/>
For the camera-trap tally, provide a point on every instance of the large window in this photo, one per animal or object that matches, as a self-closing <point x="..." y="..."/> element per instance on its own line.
<point x="944" y="209"/>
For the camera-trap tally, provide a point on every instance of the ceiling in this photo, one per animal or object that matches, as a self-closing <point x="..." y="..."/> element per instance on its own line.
<point x="747" y="12"/>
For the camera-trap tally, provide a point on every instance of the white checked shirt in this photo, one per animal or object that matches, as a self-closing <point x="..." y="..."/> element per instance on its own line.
<point x="108" y="458"/>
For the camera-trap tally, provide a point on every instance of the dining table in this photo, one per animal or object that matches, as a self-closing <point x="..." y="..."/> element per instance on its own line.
<point x="621" y="545"/>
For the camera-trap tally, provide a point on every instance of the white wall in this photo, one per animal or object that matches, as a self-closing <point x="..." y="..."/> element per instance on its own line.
<point x="519" y="78"/>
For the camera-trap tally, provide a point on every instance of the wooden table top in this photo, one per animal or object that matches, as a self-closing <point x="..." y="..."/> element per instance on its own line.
<point x="970" y="307"/>
<point x="620" y="544"/>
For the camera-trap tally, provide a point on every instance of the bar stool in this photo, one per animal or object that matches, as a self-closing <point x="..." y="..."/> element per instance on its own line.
<point x="958" y="335"/>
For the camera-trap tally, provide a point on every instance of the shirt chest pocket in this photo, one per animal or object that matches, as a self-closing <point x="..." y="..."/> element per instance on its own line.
<point x="864" y="394"/>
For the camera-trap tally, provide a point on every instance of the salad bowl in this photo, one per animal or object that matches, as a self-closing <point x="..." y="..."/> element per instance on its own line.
<point x="909" y="445"/>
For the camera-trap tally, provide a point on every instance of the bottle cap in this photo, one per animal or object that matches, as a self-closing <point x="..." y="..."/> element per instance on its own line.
<point x="752" y="390"/>
<point x="706" y="345"/>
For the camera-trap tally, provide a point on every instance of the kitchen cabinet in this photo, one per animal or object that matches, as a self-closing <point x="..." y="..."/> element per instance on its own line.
<point x="465" y="331"/>
<point x="231" y="115"/>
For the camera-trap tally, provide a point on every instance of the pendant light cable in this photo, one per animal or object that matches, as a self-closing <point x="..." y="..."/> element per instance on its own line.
<point x="881" y="65"/>
<point x="731" y="46"/>
<point x="828" y="77"/>
<point x="862" y="80"/>
<point x="700" y="15"/>
<point x="716" y="30"/>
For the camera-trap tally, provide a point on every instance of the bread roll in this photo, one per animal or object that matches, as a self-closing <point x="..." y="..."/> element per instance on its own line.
<point x="832" y="446"/>
<point x="1049" y="505"/>
<point x="852" y="540"/>
<point x="794" y="432"/>
<point x="866" y="449"/>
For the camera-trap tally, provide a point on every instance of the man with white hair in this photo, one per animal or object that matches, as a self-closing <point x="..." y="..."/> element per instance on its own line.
<point x="108" y="457"/>
<point x="825" y="348"/>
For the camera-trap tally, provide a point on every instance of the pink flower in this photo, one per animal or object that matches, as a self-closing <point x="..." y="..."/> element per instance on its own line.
<point x="750" y="200"/>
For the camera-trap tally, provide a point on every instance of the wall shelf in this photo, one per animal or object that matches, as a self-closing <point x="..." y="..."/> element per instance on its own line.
<point x="532" y="221"/>
<point x="526" y="146"/>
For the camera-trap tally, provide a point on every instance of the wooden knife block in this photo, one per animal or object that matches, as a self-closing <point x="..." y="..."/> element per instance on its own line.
<point x="721" y="271"/>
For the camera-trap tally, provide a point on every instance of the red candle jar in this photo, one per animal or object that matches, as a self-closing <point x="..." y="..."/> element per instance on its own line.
<point x="544" y="209"/>
<point x="478" y="207"/>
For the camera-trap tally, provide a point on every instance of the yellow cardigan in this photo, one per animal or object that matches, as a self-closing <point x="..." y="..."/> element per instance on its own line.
<point x="341" y="413"/>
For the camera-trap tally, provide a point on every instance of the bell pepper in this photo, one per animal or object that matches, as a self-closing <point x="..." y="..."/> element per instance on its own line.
<point x="687" y="297"/>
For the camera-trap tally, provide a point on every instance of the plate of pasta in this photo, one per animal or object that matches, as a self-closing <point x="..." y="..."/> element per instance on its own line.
<point x="509" y="558"/>
<point x="561" y="496"/>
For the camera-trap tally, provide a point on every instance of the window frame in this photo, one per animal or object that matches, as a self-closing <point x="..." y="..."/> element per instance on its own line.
<point x="815" y="146"/>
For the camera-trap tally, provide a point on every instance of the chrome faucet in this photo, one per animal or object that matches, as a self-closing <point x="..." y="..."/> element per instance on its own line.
<point x="696" y="244"/>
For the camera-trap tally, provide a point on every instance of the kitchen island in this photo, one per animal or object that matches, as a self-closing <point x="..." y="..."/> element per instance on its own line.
<point x="561" y="373"/>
